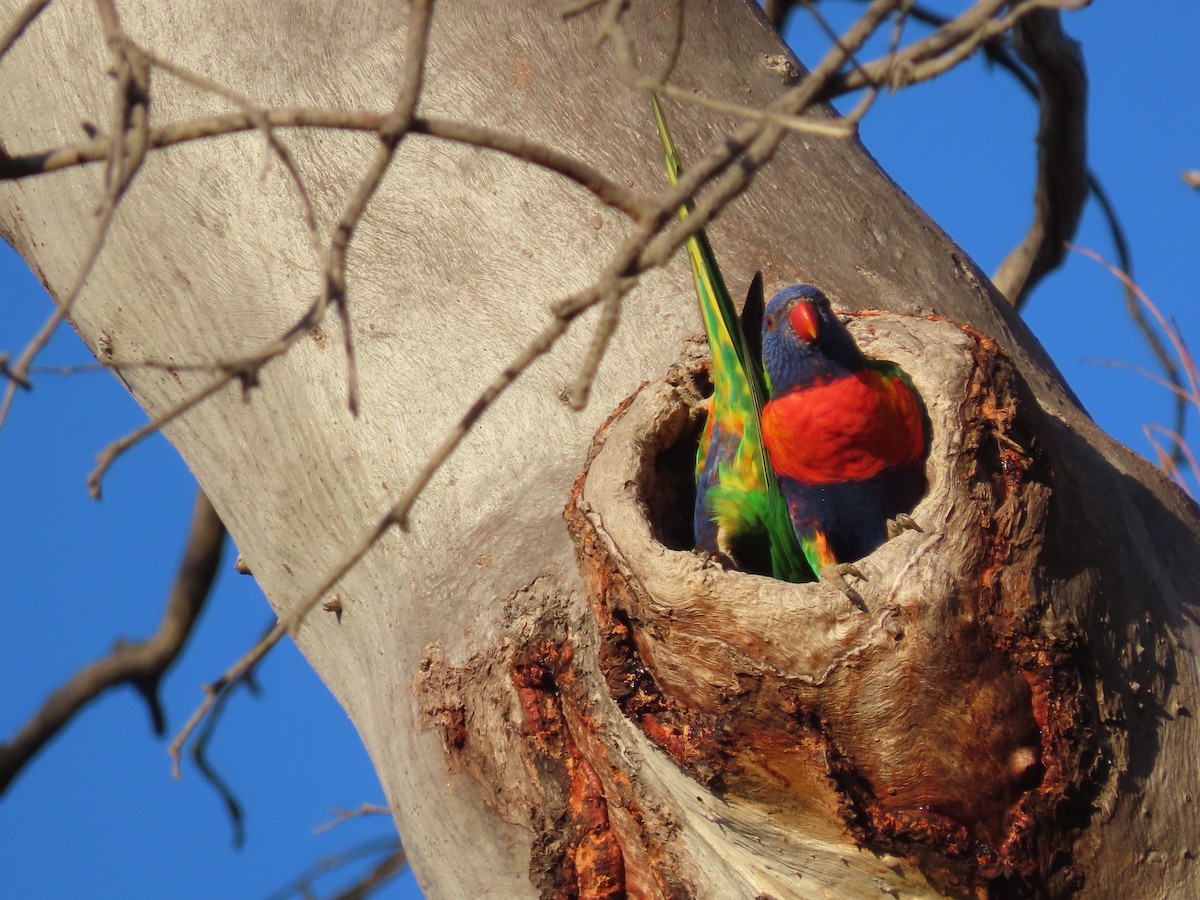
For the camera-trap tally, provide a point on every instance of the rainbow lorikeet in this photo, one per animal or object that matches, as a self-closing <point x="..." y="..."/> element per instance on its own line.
<point x="846" y="435"/>
<point x="740" y="512"/>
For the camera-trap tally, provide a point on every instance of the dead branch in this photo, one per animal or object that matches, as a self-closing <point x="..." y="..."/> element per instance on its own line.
<point x="258" y="115"/>
<point x="648" y="247"/>
<point x="24" y="19"/>
<point x="945" y="48"/>
<point x="141" y="665"/>
<point x="233" y="806"/>
<point x="997" y="52"/>
<point x="724" y="173"/>
<point x="345" y="815"/>
<point x="129" y="126"/>
<point x="607" y="191"/>
<point x="393" y="130"/>
<point x="391" y="864"/>
<point x="1135" y="311"/>
<point x="1062" y="184"/>
<point x="383" y="872"/>
<point x="1191" y="394"/>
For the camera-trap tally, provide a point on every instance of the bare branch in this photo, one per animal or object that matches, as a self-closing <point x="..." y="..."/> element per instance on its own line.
<point x="1183" y="355"/>
<point x="1062" y="180"/>
<point x="241" y="670"/>
<point x="383" y="872"/>
<point x="345" y="815"/>
<point x="610" y="317"/>
<point x="754" y="142"/>
<point x="997" y="51"/>
<point x="141" y="665"/>
<point x="109" y="454"/>
<point x="1166" y="459"/>
<point x="127" y="150"/>
<point x="945" y="48"/>
<point x="609" y="192"/>
<point x="1134" y="309"/>
<point x="837" y="128"/>
<point x="233" y="806"/>
<point x="259" y="116"/>
<point x="247" y="369"/>
<point x="393" y="130"/>
<point x="392" y="863"/>
<point x="23" y="20"/>
<point x="208" y="771"/>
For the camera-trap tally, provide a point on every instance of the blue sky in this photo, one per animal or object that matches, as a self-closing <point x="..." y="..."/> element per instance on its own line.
<point x="963" y="148"/>
<point x="98" y="815"/>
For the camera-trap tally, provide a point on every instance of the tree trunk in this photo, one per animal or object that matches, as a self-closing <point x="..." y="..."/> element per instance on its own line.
<point x="583" y="706"/>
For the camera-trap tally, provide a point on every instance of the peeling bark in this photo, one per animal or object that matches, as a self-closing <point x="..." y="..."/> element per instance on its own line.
<point x="1012" y="714"/>
<point x="954" y="722"/>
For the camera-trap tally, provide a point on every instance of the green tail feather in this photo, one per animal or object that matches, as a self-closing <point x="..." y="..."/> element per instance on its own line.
<point x="749" y="491"/>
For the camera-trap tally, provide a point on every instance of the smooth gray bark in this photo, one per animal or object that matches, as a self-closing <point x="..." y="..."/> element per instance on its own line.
<point x="450" y="274"/>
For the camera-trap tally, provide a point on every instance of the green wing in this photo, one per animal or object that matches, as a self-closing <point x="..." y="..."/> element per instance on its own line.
<point x="746" y="497"/>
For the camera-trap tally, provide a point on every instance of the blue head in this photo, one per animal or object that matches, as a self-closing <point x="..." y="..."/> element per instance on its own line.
<point x="804" y="341"/>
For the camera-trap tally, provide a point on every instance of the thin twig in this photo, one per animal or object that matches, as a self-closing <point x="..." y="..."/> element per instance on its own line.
<point x="942" y="50"/>
<point x="302" y="886"/>
<point x="1062" y="182"/>
<point x="233" y="806"/>
<point x="610" y="316"/>
<point x="997" y="52"/>
<point x="1181" y="351"/>
<point x="1166" y="460"/>
<point x="1134" y="309"/>
<point x="241" y="670"/>
<point x="1163" y="383"/>
<point x="23" y="20"/>
<point x="109" y="454"/>
<point x="247" y="369"/>
<point x="127" y="148"/>
<point x="392" y="131"/>
<point x="261" y="120"/>
<point x="383" y="872"/>
<point x="142" y="665"/>
<point x="1179" y="452"/>
<point x="345" y="815"/>
<point x="841" y="127"/>
<point x="606" y="190"/>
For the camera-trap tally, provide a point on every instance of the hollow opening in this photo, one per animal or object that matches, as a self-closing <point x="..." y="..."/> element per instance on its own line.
<point x="670" y="492"/>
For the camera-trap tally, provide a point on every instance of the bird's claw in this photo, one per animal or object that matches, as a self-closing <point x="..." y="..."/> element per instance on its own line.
<point x="836" y="573"/>
<point x="901" y="523"/>
<point x="718" y="557"/>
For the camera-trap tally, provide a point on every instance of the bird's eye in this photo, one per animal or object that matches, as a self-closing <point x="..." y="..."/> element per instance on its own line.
<point x="769" y="321"/>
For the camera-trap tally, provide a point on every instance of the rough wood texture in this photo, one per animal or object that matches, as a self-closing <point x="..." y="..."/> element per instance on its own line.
<point x="467" y="654"/>
<point x="921" y="725"/>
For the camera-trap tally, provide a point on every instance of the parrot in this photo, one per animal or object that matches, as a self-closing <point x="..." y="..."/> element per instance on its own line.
<point x="846" y="436"/>
<point x="739" y="512"/>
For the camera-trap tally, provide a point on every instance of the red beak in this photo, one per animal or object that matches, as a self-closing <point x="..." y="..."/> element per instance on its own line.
<point x="805" y="321"/>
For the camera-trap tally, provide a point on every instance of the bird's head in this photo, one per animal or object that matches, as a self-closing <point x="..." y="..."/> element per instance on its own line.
<point x="803" y="341"/>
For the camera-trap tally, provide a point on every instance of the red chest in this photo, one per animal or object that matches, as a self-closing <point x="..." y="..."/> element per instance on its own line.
<point x="850" y="429"/>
